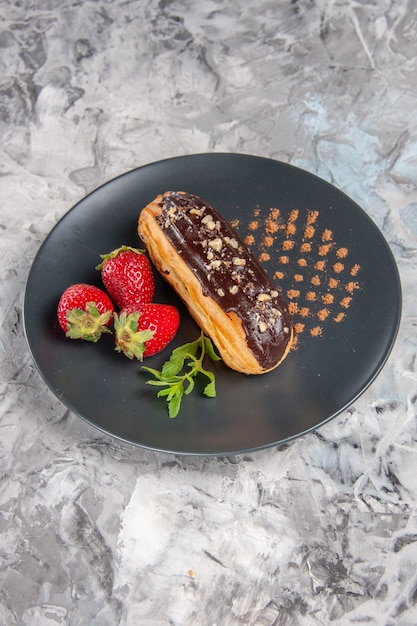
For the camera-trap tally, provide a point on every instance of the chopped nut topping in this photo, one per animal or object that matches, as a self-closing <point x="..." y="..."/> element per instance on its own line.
<point x="238" y="261"/>
<point x="209" y="222"/>
<point x="233" y="289"/>
<point x="262" y="327"/>
<point x="274" y="294"/>
<point x="231" y="241"/>
<point x="197" y="212"/>
<point x="263" y="297"/>
<point x="220" y="292"/>
<point x="216" y="244"/>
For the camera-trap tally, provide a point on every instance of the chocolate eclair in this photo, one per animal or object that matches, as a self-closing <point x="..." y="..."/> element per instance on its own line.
<point x="222" y="284"/>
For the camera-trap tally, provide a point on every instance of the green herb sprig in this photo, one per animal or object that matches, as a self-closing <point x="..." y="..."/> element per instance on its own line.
<point x="178" y="374"/>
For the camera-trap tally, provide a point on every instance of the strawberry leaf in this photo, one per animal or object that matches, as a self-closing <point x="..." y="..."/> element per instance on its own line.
<point x="114" y="253"/>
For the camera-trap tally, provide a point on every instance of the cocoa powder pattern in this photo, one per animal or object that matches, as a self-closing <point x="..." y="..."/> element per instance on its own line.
<point x="320" y="278"/>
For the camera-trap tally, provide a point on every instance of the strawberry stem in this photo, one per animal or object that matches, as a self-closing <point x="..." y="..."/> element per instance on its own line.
<point x="114" y="253"/>
<point x="88" y="324"/>
<point x="128" y="339"/>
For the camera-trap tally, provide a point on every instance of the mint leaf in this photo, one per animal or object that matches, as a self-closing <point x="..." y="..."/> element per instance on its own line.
<point x="210" y="389"/>
<point x="179" y="373"/>
<point x="173" y="366"/>
<point x="209" y="348"/>
<point x="174" y="405"/>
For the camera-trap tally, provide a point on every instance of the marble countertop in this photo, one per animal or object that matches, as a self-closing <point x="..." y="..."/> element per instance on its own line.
<point x="95" y="531"/>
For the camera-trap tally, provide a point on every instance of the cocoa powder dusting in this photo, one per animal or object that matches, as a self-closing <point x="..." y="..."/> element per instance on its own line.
<point x="268" y="241"/>
<point x="345" y="302"/>
<point x="271" y="227"/>
<point x="324" y="249"/>
<point x="309" y="232"/>
<point x="323" y="314"/>
<point x="312" y="217"/>
<point x="293" y="293"/>
<point x="342" y="253"/>
<point x="351" y="286"/>
<point x="328" y="298"/>
<point x="309" y="246"/>
<point x="317" y="331"/>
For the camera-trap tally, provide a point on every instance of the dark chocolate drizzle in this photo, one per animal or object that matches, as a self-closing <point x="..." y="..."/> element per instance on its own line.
<point x="228" y="272"/>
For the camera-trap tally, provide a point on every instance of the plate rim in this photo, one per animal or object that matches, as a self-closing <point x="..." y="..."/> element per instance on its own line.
<point x="396" y="322"/>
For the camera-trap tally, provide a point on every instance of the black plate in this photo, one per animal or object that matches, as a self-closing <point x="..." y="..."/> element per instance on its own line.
<point x="344" y="290"/>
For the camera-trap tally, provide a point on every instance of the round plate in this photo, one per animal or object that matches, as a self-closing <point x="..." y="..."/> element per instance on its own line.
<point x="331" y="261"/>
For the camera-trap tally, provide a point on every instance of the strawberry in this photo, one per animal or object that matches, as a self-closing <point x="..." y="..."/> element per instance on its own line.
<point x="85" y="312"/>
<point x="127" y="276"/>
<point x="144" y="333"/>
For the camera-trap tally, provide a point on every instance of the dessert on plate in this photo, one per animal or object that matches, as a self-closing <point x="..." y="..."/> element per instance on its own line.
<point x="222" y="284"/>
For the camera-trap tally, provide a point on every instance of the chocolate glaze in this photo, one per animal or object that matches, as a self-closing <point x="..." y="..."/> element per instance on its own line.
<point x="228" y="272"/>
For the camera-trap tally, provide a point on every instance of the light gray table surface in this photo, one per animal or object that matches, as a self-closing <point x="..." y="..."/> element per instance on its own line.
<point x="94" y="531"/>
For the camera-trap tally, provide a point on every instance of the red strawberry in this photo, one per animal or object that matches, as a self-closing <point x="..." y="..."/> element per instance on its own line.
<point x="146" y="332"/>
<point x="85" y="312"/>
<point x="127" y="276"/>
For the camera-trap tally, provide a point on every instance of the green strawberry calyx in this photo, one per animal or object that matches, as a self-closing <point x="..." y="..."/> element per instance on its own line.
<point x="88" y="324"/>
<point x="128" y="339"/>
<point x="114" y="253"/>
